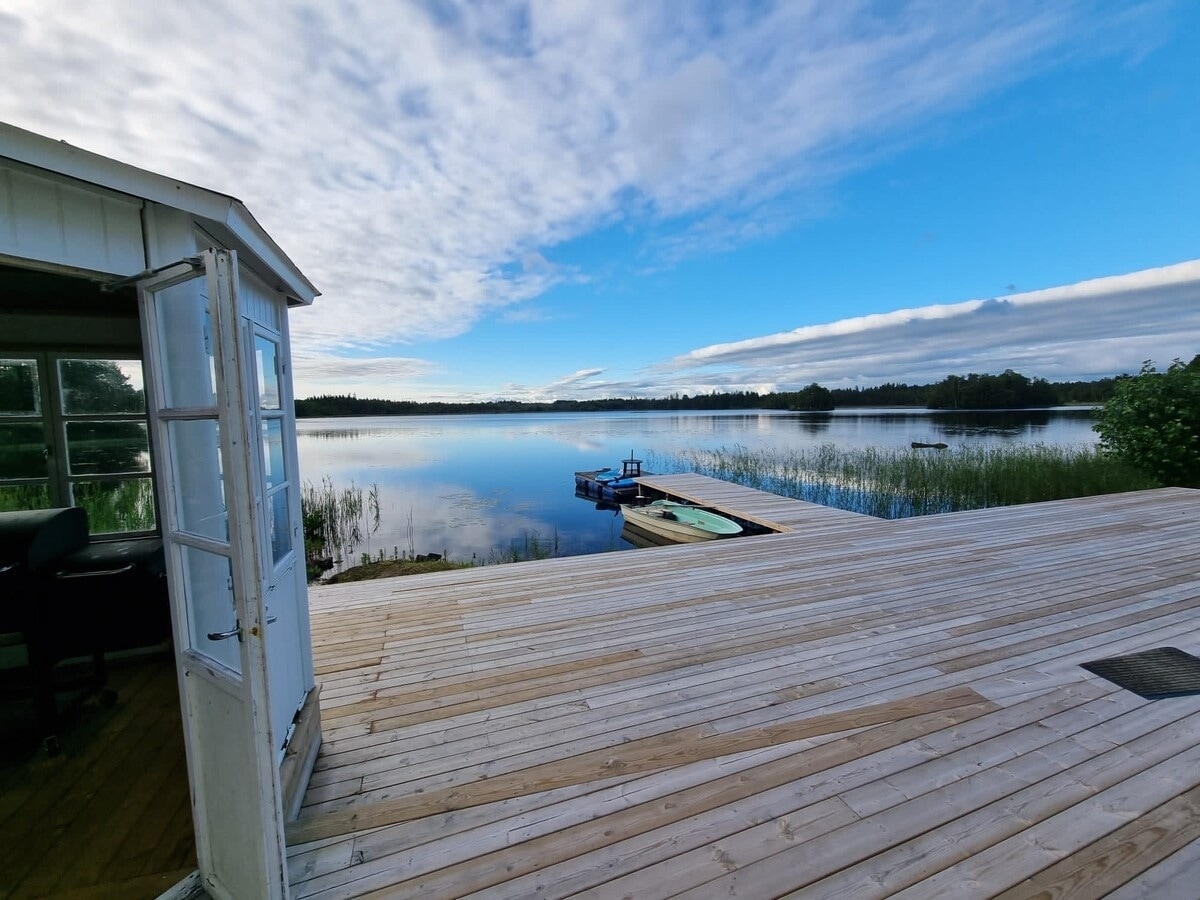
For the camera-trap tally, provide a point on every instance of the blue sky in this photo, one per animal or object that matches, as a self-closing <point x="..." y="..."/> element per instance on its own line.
<point x="563" y="199"/>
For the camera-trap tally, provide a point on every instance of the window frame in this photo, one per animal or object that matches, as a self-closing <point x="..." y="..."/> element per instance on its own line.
<point x="54" y="420"/>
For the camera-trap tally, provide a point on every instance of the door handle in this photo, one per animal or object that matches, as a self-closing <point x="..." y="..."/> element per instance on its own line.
<point x="236" y="631"/>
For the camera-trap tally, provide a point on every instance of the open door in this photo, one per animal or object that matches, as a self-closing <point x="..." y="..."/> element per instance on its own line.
<point x="204" y="415"/>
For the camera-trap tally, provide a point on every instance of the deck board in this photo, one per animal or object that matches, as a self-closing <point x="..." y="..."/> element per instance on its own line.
<point x="111" y="815"/>
<point x="852" y="705"/>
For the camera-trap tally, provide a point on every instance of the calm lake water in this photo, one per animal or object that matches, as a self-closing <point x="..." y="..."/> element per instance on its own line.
<point x="472" y="487"/>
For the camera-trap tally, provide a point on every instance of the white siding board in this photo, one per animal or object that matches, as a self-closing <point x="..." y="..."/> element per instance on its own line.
<point x="52" y="222"/>
<point x="82" y="227"/>
<point x="259" y="303"/>
<point x="123" y="228"/>
<point x="37" y="219"/>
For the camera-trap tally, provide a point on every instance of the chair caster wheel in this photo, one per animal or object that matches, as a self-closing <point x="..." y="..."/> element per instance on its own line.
<point x="51" y="745"/>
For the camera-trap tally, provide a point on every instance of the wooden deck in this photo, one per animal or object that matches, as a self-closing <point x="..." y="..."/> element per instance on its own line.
<point x="109" y="817"/>
<point x="869" y="709"/>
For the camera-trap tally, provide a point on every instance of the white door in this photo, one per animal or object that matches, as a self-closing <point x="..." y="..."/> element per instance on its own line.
<point x="277" y="495"/>
<point x="210" y="498"/>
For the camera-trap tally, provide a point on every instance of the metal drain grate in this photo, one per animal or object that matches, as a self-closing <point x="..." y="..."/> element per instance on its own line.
<point x="1153" y="674"/>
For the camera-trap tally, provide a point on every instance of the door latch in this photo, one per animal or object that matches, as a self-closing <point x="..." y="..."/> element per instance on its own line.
<point x="236" y="631"/>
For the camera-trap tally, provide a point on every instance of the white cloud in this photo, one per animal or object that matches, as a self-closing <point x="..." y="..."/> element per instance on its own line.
<point x="1092" y="329"/>
<point x="1060" y="333"/>
<point x="412" y="157"/>
<point x="365" y="377"/>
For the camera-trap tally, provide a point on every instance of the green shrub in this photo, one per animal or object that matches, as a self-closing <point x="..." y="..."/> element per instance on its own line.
<point x="1153" y="422"/>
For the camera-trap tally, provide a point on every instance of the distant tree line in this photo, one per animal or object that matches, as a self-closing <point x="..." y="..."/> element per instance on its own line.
<point x="1008" y="390"/>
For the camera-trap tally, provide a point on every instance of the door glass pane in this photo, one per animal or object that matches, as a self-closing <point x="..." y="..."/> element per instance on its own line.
<point x="266" y="362"/>
<point x="281" y="535"/>
<point x="22" y="450"/>
<point x="208" y="586"/>
<point x="272" y="438"/>
<point x="24" y="496"/>
<point x="185" y="330"/>
<point x="107" y="448"/>
<point x="116" y="505"/>
<point x="19" y="393"/>
<point x="101" y="386"/>
<point x="199" y="486"/>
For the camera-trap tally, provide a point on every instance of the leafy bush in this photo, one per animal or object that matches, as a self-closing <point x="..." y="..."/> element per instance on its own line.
<point x="1153" y="422"/>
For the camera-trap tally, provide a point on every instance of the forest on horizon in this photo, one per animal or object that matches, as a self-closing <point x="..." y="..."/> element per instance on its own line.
<point x="1008" y="390"/>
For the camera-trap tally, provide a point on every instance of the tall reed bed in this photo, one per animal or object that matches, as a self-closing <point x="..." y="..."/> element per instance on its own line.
<point x="336" y="521"/>
<point x="894" y="483"/>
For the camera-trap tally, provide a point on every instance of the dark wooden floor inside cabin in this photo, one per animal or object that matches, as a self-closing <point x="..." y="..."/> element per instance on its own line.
<point x="109" y="816"/>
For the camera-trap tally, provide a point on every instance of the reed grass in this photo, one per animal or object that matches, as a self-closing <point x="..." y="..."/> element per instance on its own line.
<point x="336" y="521"/>
<point x="530" y="546"/>
<point x="896" y="483"/>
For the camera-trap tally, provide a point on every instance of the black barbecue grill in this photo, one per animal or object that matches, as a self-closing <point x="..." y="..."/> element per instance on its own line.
<point x="52" y="623"/>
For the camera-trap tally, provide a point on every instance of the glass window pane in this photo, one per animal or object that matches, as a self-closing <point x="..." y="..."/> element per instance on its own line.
<point x="281" y="533"/>
<point x="199" y="486"/>
<point x="186" y="332"/>
<point x="22" y="450"/>
<point x="19" y="392"/>
<point x="208" y="585"/>
<point x="24" y="496"/>
<point x="101" y="386"/>
<point x="116" y="505"/>
<point x="107" y="448"/>
<point x="267" y="363"/>
<point x="272" y="438"/>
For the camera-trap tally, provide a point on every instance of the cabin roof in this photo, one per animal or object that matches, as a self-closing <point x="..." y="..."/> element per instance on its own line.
<point x="226" y="216"/>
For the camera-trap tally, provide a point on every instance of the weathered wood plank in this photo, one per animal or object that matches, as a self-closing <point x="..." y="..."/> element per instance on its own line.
<point x="643" y="755"/>
<point x="91" y="821"/>
<point x="635" y="724"/>
<point x="1119" y="856"/>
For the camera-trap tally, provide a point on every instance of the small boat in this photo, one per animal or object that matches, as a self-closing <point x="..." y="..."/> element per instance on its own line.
<point x="679" y="522"/>
<point x="610" y="484"/>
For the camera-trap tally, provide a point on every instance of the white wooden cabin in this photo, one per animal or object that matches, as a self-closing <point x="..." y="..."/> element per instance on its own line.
<point x="101" y="260"/>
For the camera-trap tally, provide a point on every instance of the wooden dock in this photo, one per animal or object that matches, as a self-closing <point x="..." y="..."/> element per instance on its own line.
<point x="769" y="510"/>
<point x="852" y="708"/>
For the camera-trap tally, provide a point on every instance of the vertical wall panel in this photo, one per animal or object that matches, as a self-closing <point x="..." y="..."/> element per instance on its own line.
<point x="52" y="221"/>
<point x="259" y="303"/>
<point x="37" y="219"/>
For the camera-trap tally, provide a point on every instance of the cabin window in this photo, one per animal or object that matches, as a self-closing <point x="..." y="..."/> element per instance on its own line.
<point x="271" y="422"/>
<point x="74" y="432"/>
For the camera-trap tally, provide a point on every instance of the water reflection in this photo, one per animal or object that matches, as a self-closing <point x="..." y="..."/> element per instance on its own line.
<point x="475" y="486"/>
<point x="814" y="423"/>
<point x="639" y="537"/>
